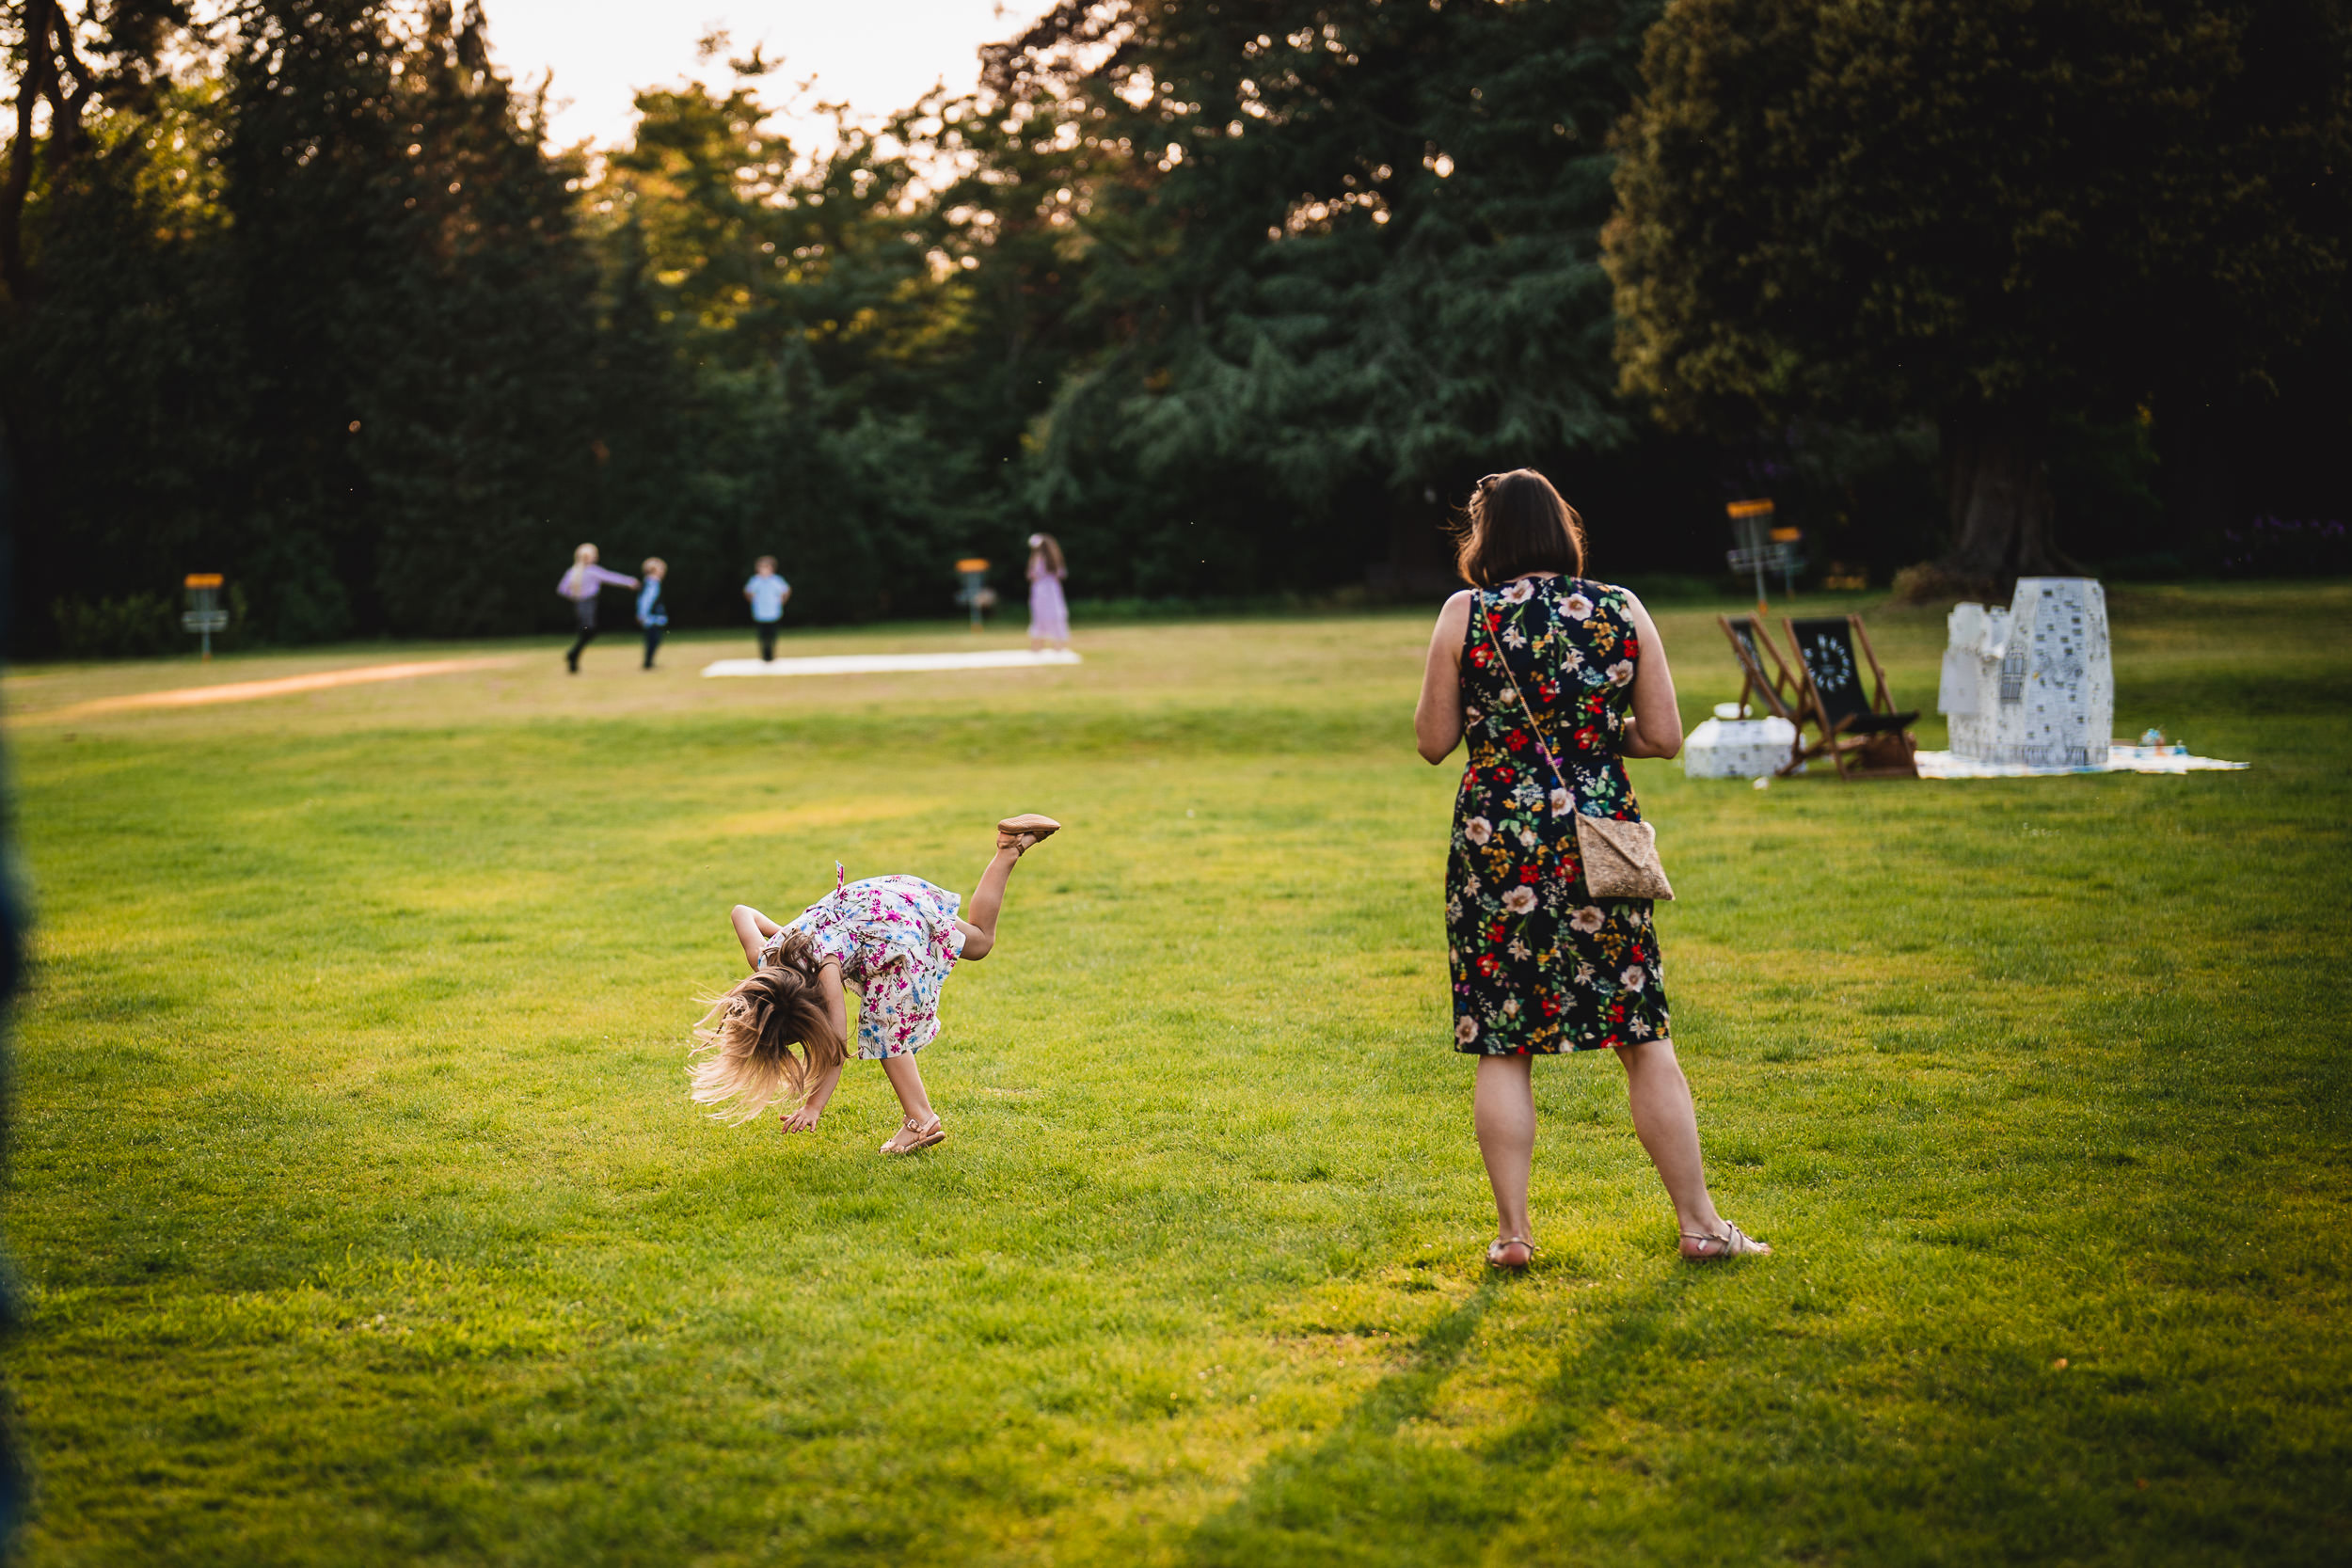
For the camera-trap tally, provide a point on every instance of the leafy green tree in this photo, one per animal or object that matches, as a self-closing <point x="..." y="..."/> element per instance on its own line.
<point x="321" y="321"/>
<point x="1339" y="257"/>
<point x="68" y="70"/>
<point x="2002" y="215"/>
<point x="780" y="343"/>
<point x="110" y="316"/>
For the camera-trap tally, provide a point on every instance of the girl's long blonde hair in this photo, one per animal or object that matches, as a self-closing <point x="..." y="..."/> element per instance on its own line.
<point x="747" y="1037"/>
<point x="582" y="559"/>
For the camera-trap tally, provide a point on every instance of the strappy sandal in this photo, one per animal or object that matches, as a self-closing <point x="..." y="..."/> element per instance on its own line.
<point x="1504" y="1265"/>
<point x="1012" y="830"/>
<point x="1733" y="1243"/>
<point x="924" y="1136"/>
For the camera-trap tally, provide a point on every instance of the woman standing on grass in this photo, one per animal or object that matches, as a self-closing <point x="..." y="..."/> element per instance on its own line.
<point x="1540" y="966"/>
<point x="1049" y="612"/>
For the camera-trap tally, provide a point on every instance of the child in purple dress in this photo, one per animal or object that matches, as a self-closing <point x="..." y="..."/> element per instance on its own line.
<point x="1049" y="612"/>
<point x="892" y="940"/>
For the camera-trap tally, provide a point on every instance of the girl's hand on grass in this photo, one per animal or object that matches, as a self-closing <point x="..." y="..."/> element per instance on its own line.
<point x="801" y="1120"/>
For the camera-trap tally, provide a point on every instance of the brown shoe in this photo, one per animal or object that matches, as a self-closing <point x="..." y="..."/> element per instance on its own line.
<point x="1030" y="826"/>
<point x="912" y="1137"/>
<point x="1733" y="1243"/>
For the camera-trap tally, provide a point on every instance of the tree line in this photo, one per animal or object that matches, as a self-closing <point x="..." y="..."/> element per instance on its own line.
<point x="1235" y="296"/>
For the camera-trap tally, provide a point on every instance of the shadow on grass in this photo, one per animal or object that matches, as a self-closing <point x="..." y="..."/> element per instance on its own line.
<point x="1372" y="1493"/>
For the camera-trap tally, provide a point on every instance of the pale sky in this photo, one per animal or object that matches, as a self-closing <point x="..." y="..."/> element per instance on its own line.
<point x="876" y="54"/>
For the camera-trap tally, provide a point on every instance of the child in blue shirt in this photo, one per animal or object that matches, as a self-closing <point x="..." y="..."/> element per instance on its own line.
<point x="767" y="593"/>
<point x="652" y="613"/>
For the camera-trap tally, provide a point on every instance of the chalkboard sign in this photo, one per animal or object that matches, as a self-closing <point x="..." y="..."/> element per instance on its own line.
<point x="1826" y="645"/>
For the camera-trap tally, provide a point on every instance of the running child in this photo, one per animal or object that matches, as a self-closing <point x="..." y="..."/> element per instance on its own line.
<point x="580" y="585"/>
<point x="652" y="613"/>
<point x="892" y="940"/>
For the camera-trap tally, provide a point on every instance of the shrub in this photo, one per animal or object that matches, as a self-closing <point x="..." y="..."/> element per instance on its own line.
<point x="2287" y="548"/>
<point x="135" y="626"/>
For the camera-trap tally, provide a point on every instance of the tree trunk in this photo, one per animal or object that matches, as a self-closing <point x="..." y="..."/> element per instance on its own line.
<point x="2003" y="518"/>
<point x="17" y="184"/>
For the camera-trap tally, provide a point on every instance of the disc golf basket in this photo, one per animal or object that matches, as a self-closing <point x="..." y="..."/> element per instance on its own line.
<point x="204" y="615"/>
<point x="976" y="591"/>
<point x="1758" y="547"/>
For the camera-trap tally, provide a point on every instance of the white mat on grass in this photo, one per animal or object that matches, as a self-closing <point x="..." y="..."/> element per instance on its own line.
<point x="2120" y="759"/>
<point x="884" y="664"/>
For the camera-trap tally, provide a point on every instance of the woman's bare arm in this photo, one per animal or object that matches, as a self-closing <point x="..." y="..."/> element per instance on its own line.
<point x="1654" y="729"/>
<point x="836" y="1005"/>
<point x="1437" y="717"/>
<point x="836" y="1009"/>
<point x="752" y="929"/>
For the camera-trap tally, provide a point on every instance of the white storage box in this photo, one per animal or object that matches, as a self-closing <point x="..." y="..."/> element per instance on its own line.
<point x="1738" y="747"/>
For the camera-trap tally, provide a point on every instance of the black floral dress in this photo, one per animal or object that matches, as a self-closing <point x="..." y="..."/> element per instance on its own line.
<point x="1539" y="965"/>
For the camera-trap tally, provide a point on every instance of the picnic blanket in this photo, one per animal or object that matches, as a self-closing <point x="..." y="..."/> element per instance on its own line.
<point x="2120" y="759"/>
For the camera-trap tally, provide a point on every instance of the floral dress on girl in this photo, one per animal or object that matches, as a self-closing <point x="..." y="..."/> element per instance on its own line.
<point x="1539" y="964"/>
<point x="896" y="939"/>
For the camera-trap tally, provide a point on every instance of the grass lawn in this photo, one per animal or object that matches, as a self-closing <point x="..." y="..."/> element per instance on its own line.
<point x="362" y="1218"/>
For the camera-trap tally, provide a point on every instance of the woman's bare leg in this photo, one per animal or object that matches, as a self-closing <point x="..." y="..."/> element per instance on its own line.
<point x="1504" y="1109"/>
<point x="1668" y="1127"/>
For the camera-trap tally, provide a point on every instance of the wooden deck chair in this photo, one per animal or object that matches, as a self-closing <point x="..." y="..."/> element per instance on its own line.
<point x="1777" y="693"/>
<point x="1752" y="647"/>
<point x="1865" y="737"/>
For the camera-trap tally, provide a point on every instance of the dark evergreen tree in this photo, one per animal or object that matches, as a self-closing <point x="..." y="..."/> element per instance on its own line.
<point x="420" y="322"/>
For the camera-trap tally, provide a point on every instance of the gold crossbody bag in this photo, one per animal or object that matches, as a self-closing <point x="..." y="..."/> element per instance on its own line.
<point x="1620" y="857"/>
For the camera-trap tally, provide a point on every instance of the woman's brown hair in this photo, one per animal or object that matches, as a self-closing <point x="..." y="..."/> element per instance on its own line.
<point x="1051" y="548"/>
<point x="1516" y="523"/>
<point x="747" y="1037"/>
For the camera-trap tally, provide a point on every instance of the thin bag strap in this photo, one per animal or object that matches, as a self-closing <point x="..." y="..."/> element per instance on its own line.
<point x="1559" y="777"/>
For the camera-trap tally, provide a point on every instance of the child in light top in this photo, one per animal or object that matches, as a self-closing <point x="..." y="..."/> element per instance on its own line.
<point x="767" y="592"/>
<point x="892" y="940"/>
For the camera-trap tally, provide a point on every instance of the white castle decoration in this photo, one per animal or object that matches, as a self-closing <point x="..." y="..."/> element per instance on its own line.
<point x="2032" y="684"/>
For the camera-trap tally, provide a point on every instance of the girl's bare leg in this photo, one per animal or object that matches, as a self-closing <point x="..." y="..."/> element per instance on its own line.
<point x="988" y="901"/>
<point x="906" y="1081"/>
<point x="1504" y="1109"/>
<point x="1668" y="1127"/>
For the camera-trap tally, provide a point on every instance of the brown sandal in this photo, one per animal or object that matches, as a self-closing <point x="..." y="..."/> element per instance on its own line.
<point x="1733" y="1243"/>
<point x="924" y="1136"/>
<point x="1012" y="830"/>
